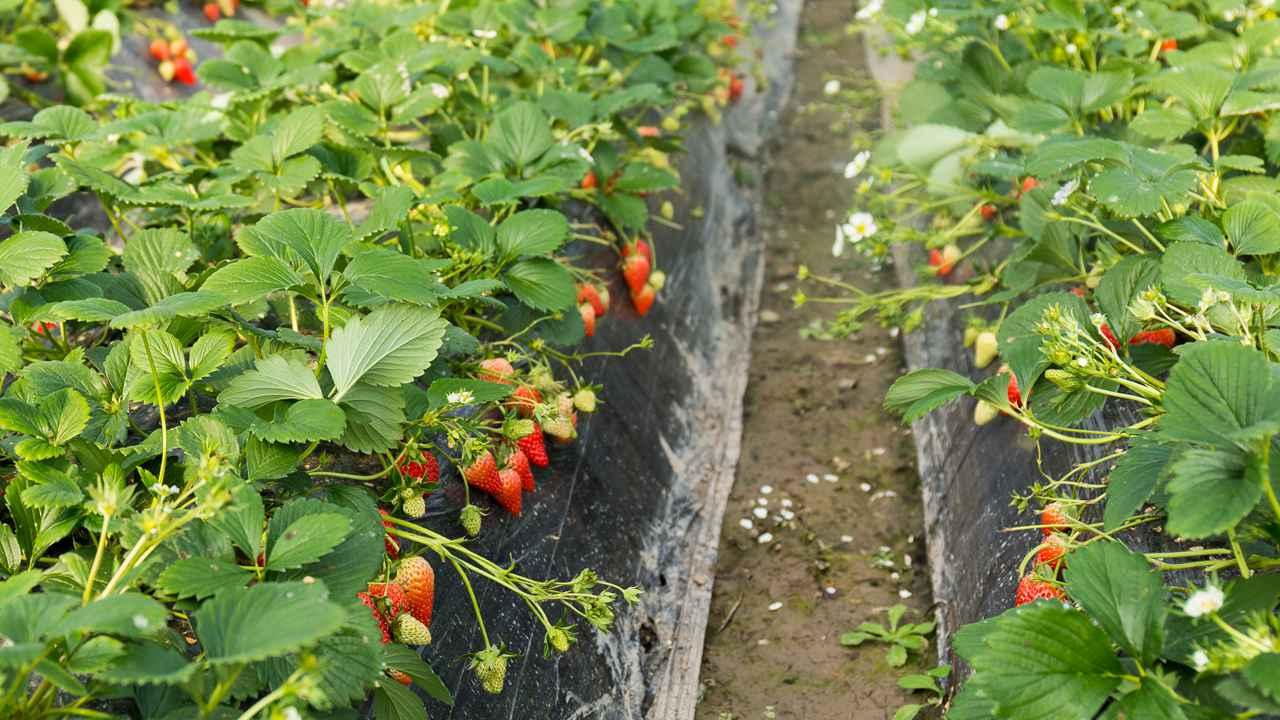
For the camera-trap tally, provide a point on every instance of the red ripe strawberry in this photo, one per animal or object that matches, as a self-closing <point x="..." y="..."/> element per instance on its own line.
<point x="949" y="257"/>
<point x="648" y="131"/>
<point x="383" y="625"/>
<point x="182" y="71"/>
<point x="413" y="470"/>
<point x="935" y="257"/>
<point x="1169" y="44"/>
<point x="988" y="212"/>
<point x="1109" y="336"/>
<point x="395" y="674"/>
<point x="587" y="293"/>
<point x="588" y="319"/>
<point x="1029" y="184"/>
<point x="729" y="41"/>
<point x="1052" y="551"/>
<point x="482" y="474"/>
<point x="1078" y="292"/>
<point x="643" y="300"/>
<point x="1013" y="393"/>
<point x="635" y="270"/>
<point x="639" y="246"/>
<point x="159" y="49"/>
<point x="1052" y="518"/>
<point x="393" y="593"/>
<point x="1162" y="336"/>
<point x="432" y="467"/>
<point x="418" y="580"/>
<point x="389" y="542"/>
<point x="496" y="370"/>
<point x="588" y="180"/>
<point x="519" y="462"/>
<point x="1031" y="588"/>
<point x="508" y="495"/>
<point x="735" y="88"/>
<point x="524" y="400"/>
<point x="534" y="448"/>
<point x="212" y="11"/>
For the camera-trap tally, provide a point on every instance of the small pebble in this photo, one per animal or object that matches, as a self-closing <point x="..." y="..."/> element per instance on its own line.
<point x="846" y="539"/>
<point x="882" y="351"/>
<point x="869" y="358"/>
<point x="830" y="590"/>
<point x="787" y="515"/>
<point x="760" y="513"/>
<point x="884" y="548"/>
<point x="762" y="501"/>
<point x="765" y="538"/>
<point x="904" y="593"/>
<point x="762" y="641"/>
<point x="831" y="87"/>
<point x="894" y="331"/>
<point x="830" y="478"/>
<point x="811" y="478"/>
<point x="766" y="489"/>
<point x="906" y="560"/>
<point x="768" y="317"/>
<point x="878" y="451"/>
<point x="775" y="606"/>
<point x="746" y="524"/>
<point x="865" y="487"/>
<point x="786" y="502"/>
<point x="894" y="576"/>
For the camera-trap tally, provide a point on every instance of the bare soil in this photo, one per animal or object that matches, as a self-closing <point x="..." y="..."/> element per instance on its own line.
<point x="813" y="412"/>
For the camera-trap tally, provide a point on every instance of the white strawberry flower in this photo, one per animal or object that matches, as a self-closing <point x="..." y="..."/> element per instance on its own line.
<point x="485" y="34"/>
<point x="857" y="165"/>
<point x="1204" y="602"/>
<point x="1072" y="49"/>
<point x="440" y="91"/>
<point x="870" y="10"/>
<point x="1002" y="22"/>
<point x="1064" y="193"/>
<point x="831" y="87"/>
<point x="859" y="225"/>
<point x="1200" y="659"/>
<point x="460" y="397"/>
<point x="916" y="22"/>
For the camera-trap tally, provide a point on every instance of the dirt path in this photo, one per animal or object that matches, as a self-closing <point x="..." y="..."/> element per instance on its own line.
<point x="832" y="474"/>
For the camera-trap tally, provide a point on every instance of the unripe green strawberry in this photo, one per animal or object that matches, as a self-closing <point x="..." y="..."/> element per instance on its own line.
<point x="415" y="506"/>
<point x="558" y="639"/>
<point x="984" y="413"/>
<point x="657" y="280"/>
<point x="564" y="403"/>
<point x="585" y="400"/>
<point x="1063" y="379"/>
<point x="490" y="666"/>
<point x="970" y="335"/>
<point x="470" y="517"/>
<point x="410" y="630"/>
<point x="985" y="349"/>
<point x="560" y="427"/>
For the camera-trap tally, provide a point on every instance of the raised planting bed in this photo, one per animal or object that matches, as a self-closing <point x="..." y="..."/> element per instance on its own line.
<point x="1085" y="193"/>
<point x="242" y="315"/>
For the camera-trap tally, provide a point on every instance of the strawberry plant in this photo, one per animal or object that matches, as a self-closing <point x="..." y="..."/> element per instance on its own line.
<point x="246" y="337"/>
<point x="1095" y="182"/>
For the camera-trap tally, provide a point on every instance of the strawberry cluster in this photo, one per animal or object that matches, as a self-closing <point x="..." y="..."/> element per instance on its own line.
<point x="643" y="281"/>
<point x="174" y="58"/>
<point x="403" y="607"/>
<point x="1041" y="583"/>
<point x="215" y="10"/>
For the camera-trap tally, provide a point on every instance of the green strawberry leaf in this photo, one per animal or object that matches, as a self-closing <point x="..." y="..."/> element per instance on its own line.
<point x="266" y="620"/>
